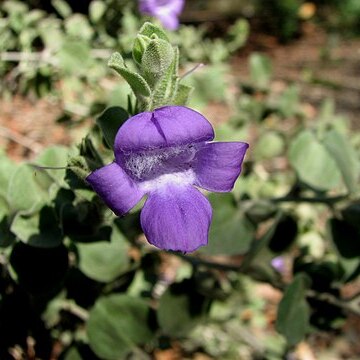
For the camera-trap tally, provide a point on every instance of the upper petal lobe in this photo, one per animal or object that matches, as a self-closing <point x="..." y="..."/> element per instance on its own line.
<point x="177" y="218"/>
<point x="116" y="188"/>
<point x="166" y="11"/>
<point x="164" y="127"/>
<point x="218" y="165"/>
<point x="169" y="21"/>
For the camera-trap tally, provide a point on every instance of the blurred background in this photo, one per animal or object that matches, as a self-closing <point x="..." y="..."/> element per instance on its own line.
<point x="58" y="50"/>
<point x="282" y="75"/>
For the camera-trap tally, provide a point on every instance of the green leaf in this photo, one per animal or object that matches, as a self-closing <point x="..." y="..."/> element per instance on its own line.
<point x="345" y="157"/>
<point x="77" y="26"/>
<point x="141" y="284"/>
<point x="104" y="261"/>
<point x="39" y="230"/>
<point x="137" y="83"/>
<point x="182" y="94"/>
<point x="180" y="309"/>
<point x="351" y="214"/>
<point x="117" y="325"/>
<point x="230" y="233"/>
<point x="15" y="7"/>
<point x="238" y="33"/>
<point x="62" y="7"/>
<point x="26" y="38"/>
<point x="97" y="9"/>
<point x="78" y="166"/>
<point x="149" y="30"/>
<point x="7" y="168"/>
<point x="23" y="194"/>
<point x="167" y="86"/>
<point x="88" y="150"/>
<point x="119" y="94"/>
<point x="110" y="121"/>
<point x="289" y="101"/>
<point x="140" y="44"/>
<point x="350" y="268"/>
<point x="34" y="16"/>
<point x="217" y="51"/>
<point x="313" y="163"/>
<point x="156" y="60"/>
<point x="7" y="238"/>
<point x="54" y="156"/>
<point x="261" y="210"/>
<point x="270" y="145"/>
<point x="228" y="132"/>
<point x="4" y="206"/>
<point x="74" y="57"/>
<point x="293" y="311"/>
<point x="50" y="30"/>
<point x="260" y="246"/>
<point x="345" y="237"/>
<point x="211" y="84"/>
<point x="260" y="71"/>
<point x="73" y="354"/>
<point x="50" y="180"/>
<point x="173" y="314"/>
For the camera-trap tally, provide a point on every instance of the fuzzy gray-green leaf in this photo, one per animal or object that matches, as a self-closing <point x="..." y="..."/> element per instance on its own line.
<point x="136" y="81"/>
<point x="156" y="60"/>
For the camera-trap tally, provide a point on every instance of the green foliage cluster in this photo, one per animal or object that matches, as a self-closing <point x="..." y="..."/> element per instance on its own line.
<point x="341" y="16"/>
<point x="281" y="17"/>
<point x="63" y="54"/>
<point x="284" y="18"/>
<point x="159" y="83"/>
<point x="306" y="172"/>
<point x="73" y="273"/>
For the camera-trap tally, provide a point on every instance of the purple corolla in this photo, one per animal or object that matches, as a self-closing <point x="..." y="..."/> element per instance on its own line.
<point x="163" y="154"/>
<point x="279" y="264"/>
<point x="166" y="11"/>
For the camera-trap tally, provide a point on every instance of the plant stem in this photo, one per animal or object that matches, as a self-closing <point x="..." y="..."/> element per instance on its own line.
<point x="321" y="200"/>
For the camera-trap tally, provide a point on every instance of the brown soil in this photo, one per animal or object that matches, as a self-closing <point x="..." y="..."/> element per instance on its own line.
<point x="27" y="127"/>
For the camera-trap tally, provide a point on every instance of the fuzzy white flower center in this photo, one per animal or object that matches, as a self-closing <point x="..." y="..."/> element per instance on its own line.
<point x="157" y="167"/>
<point x="161" y="182"/>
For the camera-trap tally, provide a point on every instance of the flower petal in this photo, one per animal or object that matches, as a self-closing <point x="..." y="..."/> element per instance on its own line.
<point x="177" y="218"/>
<point x="147" y="6"/>
<point x="173" y="6"/>
<point x="166" y="11"/>
<point x="116" y="188"/>
<point x="168" y="14"/>
<point x="164" y="127"/>
<point x="217" y="165"/>
<point x="168" y="20"/>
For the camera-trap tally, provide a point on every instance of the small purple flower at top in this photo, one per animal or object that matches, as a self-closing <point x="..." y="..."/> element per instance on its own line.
<point x="163" y="154"/>
<point x="166" y="11"/>
<point x="278" y="263"/>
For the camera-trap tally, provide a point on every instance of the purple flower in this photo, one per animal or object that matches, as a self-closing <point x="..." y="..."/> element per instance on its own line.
<point x="278" y="263"/>
<point x="166" y="11"/>
<point x="163" y="154"/>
